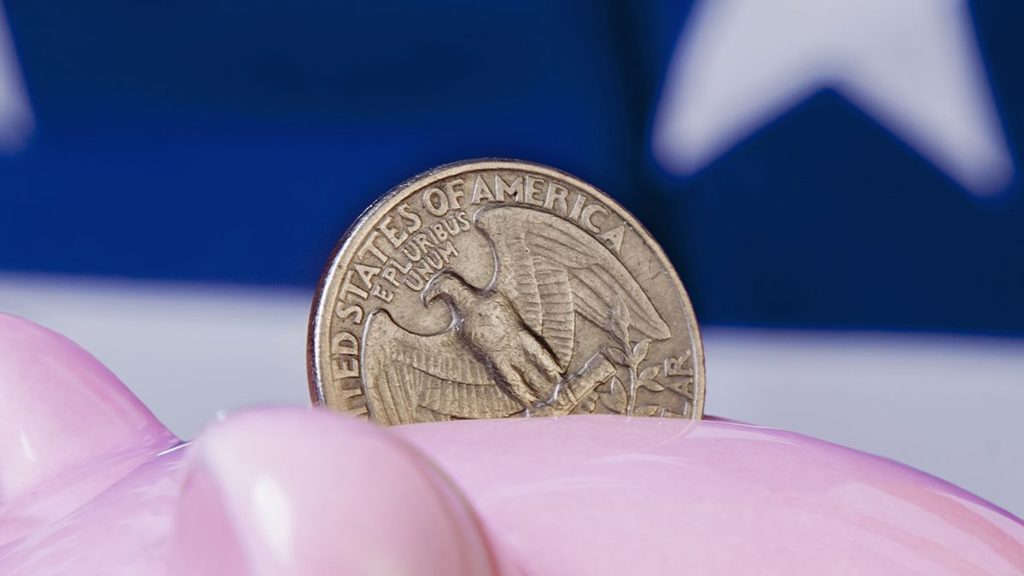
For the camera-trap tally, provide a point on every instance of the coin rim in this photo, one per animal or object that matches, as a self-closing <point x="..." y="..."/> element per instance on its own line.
<point x="396" y="194"/>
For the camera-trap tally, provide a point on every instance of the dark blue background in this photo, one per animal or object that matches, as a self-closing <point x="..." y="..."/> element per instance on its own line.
<point x="235" y="141"/>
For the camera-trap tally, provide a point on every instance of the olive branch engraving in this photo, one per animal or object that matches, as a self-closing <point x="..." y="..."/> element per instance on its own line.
<point x="620" y="398"/>
<point x="630" y="355"/>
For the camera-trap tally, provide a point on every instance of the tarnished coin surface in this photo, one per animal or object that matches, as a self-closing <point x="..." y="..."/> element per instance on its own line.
<point x="498" y="288"/>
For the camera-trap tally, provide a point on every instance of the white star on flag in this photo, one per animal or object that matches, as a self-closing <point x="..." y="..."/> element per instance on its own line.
<point x="912" y="65"/>
<point x="15" y="112"/>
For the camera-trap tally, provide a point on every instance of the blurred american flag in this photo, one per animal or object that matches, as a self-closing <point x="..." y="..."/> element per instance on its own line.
<point x="838" y="184"/>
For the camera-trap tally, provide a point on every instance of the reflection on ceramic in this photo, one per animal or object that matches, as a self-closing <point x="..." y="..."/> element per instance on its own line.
<point x="91" y="483"/>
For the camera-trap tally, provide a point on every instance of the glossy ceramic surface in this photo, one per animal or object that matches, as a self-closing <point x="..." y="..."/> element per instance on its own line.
<point x="91" y="484"/>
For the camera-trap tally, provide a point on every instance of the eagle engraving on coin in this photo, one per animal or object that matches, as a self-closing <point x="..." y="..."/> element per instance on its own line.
<point x="509" y="344"/>
<point x="493" y="289"/>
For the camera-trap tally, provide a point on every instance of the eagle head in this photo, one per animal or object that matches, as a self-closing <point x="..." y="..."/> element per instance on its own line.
<point x="447" y="285"/>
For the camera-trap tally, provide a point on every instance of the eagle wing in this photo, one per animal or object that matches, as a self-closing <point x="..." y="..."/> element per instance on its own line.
<point x="551" y="268"/>
<point x="411" y="377"/>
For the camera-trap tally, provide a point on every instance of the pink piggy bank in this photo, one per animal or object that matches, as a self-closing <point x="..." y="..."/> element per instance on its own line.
<point x="91" y="483"/>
